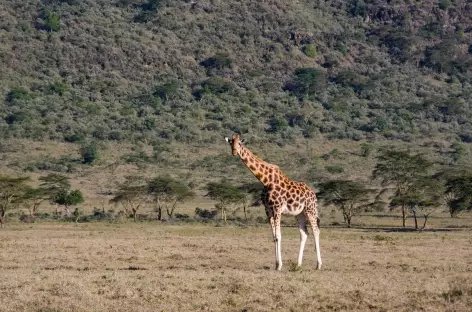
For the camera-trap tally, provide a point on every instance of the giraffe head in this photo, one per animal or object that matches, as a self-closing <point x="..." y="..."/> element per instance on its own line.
<point x="235" y="143"/>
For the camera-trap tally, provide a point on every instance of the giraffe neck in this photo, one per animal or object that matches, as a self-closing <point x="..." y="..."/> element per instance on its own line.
<point x="265" y="172"/>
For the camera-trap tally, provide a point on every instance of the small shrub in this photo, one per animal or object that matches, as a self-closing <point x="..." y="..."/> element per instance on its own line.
<point x="277" y="124"/>
<point x="116" y="135"/>
<point x="219" y="61"/>
<point x="181" y="216"/>
<point x="307" y="82"/>
<point x="138" y="157"/>
<point x="366" y="149"/>
<point x="444" y="4"/>
<point x="148" y="11"/>
<point x="310" y="50"/>
<point x="74" y="137"/>
<point x="51" y="21"/>
<point x="216" y="85"/>
<point x="205" y="213"/>
<point x="379" y="238"/>
<point x="59" y="88"/>
<point x="168" y="90"/>
<point x="17" y="94"/>
<point x="334" y="169"/>
<point x="341" y="48"/>
<point x="89" y="153"/>
<point x="336" y="154"/>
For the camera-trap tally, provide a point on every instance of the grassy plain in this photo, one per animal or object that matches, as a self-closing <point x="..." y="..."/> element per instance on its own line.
<point x="149" y="266"/>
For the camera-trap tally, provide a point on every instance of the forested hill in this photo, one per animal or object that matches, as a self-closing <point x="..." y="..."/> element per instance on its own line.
<point x="191" y="70"/>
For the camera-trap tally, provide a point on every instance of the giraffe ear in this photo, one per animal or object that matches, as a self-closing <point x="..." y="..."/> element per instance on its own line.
<point x="227" y="139"/>
<point x="241" y="141"/>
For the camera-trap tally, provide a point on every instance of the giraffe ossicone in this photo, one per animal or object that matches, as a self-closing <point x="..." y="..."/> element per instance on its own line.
<point x="282" y="196"/>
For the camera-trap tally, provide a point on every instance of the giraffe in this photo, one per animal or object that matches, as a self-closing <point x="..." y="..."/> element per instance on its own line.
<point x="282" y="196"/>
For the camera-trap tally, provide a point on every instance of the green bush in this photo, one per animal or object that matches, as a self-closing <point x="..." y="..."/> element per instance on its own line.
<point x="17" y="94"/>
<point x="309" y="50"/>
<point x="218" y="61"/>
<point x="148" y="11"/>
<point x="89" y="153"/>
<point x="59" y="87"/>
<point x="334" y="169"/>
<point x="216" y="85"/>
<point x="307" y="82"/>
<point x="444" y="4"/>
<point x="205" y="213"/>
<point x="51" y="21"/>
<point x="168" y="90"/>
<point x="277" y="124"/>
<point x="74" y="137"/>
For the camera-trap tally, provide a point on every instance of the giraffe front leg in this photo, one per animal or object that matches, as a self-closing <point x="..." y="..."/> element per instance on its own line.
<point x="278" y="242"/>
<point x="272" y="225"/>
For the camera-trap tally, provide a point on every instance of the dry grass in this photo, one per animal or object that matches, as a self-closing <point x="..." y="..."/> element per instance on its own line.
<point x="191" y="267"/>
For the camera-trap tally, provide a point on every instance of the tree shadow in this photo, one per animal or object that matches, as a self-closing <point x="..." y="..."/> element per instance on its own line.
<point x="410" y="230"/>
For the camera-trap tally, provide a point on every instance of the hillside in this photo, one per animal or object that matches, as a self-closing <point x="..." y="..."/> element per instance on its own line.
<point x="159" y="82"/>
<point x="190" y="70"/>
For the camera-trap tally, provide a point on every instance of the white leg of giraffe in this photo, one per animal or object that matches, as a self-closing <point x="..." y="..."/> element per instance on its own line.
<point x="278" y="242"/>
<point x="316" y="233"/>
<point x="317" y="246"/>
<point x="303" y="236"/>
<point x="272" y="225"/>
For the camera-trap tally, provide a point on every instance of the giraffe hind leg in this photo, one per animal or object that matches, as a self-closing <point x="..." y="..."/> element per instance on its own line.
<point x="314" y="222"/>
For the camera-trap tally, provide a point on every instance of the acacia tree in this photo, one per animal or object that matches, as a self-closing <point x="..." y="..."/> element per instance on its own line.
<point x="167" y="192"/>
<point x="226" y="194"/>
<point x="352" y="198"/>
<point x="52" y="184"/>
<point x="11" y="192"/>
<point x="459" y="193"/>
<point x="423" y="197"/>
<point x="251" y="195"/>
<point x="400" y="170"/>
<point x="33" y="198"/>
<point x="131" y="194"/>
<point x="68" y="198"/>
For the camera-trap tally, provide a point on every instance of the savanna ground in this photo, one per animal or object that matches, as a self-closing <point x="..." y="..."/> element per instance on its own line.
<point x="150" y="266"/>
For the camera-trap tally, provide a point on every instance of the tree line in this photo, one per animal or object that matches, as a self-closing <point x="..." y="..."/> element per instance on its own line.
<point x="409" y="182"/>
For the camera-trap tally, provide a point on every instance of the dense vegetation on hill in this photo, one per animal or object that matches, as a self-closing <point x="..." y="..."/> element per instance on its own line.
<point x="155" y="70"/>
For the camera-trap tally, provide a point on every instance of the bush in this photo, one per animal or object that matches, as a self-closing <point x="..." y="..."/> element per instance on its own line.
<point x="89" y="153"/>
<point x="310" y="50"/>
<point x="307" y="82"/>
<point x="182" y="217"/>
<point x="444" y="4"/>
<point x="74" y="137"/>
<point x="277" y="124"/>
<point x="219" y="61"/>
<point x="205" y="213"/>
<point x="334" y="169"/>
<point x="366" y="149"/>
<point x="17" y="94"/>
<point x="139" y="157"/>
<point x="51" y="21"/>
<point x="59" y="87"/>
<point x="216" y="85"/>
<point x="148" y="11"/>
<point x="168" y="90"/>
